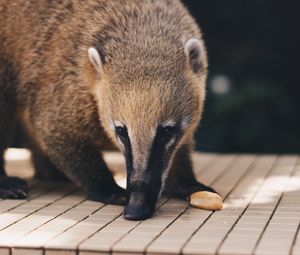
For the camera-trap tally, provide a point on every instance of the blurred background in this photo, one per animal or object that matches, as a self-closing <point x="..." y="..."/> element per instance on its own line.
<point x="253" y="97"/>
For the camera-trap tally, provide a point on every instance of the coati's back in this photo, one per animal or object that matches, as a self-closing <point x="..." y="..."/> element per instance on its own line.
<point x="46" y="42"/>
<point x="51" y="37"/>
<point x="42" y="37"/>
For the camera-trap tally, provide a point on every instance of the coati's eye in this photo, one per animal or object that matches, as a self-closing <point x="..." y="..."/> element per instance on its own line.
<point x="168" y="131"/>
<point x="122" y="132"/>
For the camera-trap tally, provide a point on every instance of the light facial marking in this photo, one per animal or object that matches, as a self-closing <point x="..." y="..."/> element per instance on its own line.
<point x="111" y="125"/>
<point x="118" y="124"/>
<point x="153" y="132"/>
<point x="165" y="174"/>
<point x="130" y="135"/>
<point x="170" y="143"/>
<point x="119" y="140"/>
<point x="184" y="123"/>
<point x="168" y="123"/>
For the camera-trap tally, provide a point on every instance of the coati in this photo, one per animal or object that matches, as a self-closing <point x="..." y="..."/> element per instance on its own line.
<point x="76" y="76"/>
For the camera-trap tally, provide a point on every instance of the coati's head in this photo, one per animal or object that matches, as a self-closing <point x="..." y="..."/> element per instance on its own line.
<point x="150" y="105"/>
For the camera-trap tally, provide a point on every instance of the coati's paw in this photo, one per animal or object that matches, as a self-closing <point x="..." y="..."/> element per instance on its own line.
<point x="13" y="188"/>
<point x="206" y="200"/>
<point x="116" y="196"/>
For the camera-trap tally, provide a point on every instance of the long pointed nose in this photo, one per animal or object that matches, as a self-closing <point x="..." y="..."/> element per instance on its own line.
<point x="142" y="201"/>
<point x="144" y="176"/>
<point x="138" y="211"/>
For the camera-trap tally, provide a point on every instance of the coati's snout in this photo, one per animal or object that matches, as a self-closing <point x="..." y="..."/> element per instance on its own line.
<point x="149" y="110"/>
<point x="148" y="155"/>
<point x="142" y="201"/>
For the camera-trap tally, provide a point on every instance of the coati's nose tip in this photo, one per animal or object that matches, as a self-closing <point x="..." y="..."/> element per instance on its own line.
<point x="137" y="212"/>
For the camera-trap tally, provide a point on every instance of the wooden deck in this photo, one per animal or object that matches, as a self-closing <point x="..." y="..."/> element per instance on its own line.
<point x="261" y="214"/>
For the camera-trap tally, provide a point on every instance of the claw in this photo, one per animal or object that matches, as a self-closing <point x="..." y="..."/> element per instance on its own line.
<point x="13" y="188"/>
<point x="21" y="193"/>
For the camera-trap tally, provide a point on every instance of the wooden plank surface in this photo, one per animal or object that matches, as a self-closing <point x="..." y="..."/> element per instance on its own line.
<point x="261" y="213"/>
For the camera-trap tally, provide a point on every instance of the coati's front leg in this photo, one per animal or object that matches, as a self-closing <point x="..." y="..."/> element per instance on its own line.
<point x="182" y="183"/>
<point x="10" y="187"/>
<point x="83" y="164"/>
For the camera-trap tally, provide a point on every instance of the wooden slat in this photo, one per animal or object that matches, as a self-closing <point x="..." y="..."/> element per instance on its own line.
<point x="10" y="219"/>
<point x="261" y="215"/>
<point x="60" y="224"/>
<point x="70" y="239"/>
<point x="278" y="237"/>
<point x="172" y="240"/>
<point x="292" y="203"/>
<point x="18" y="162"/>
<point x="128" y="243"/>
<point x="104" y="242"/>
<point x="24" y="210"/>
<point x="28" y="229"/>
<point x="244" y="233"/>
<point x="202" y="160"/>
<point x="218" y="223"/>
<point x="246" y="191"/>
<point x="240" y="238"/>
<point x="35" y="191"/>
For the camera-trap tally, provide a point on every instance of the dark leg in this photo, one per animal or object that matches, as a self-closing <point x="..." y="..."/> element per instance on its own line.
<point x="181" y="181"/>
<point x="2" y="171"/>
<point x="10" y="187"/>
<point x="84" y="165"/>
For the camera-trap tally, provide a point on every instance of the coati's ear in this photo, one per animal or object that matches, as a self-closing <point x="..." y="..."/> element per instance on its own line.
<point x="95" y="60"/>
<point x="193" y="53"/>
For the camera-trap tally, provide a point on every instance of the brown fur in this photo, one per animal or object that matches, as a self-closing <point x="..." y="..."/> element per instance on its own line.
<point x="66" y="108"/>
